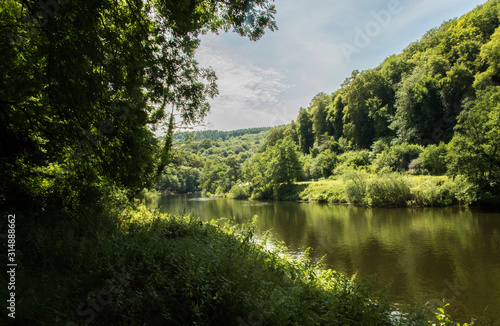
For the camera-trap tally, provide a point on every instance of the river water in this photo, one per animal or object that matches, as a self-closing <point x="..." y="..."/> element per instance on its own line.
<point x="423" y="254"/>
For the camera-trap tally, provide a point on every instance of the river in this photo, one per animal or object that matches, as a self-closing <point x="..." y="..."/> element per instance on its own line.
<point x="423" y="254"/>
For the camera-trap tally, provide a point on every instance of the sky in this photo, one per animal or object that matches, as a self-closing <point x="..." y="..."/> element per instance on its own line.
<point x="316" y="47"/>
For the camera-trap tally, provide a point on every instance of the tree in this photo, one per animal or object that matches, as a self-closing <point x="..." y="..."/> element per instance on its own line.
<point x="273" y="136"/>
<point x="291" y="130"/>
<point x="368" y="102"/>
<point x="255" y="172"/>
<point x="318" y="112"/>
<point x="305" y="131"/>
<point x="491" y="57"/>
<point x="284" y="164"/>
<point x="335" y="115"/>
<point x="475" y="148"/>
<point x="420" y="110"/>
<point x="268" y="171"/>
<point x="213" y="177"/>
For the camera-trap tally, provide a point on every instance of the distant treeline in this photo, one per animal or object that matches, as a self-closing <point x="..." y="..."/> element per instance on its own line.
<point x="219" y="135"/>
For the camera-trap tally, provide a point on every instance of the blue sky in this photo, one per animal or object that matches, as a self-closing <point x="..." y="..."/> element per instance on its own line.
<point x="318" y="44"/>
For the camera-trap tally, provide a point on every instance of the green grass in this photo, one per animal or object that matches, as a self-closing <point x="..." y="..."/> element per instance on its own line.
<point x="146" y="268"/>
<point x="323" y="191"/>
<point x="392" y="190"/>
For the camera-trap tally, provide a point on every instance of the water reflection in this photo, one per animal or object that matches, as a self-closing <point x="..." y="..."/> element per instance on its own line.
<point x="424" y="254"/>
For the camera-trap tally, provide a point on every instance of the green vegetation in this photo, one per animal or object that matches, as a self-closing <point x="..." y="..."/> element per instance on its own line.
<point x="213" y="166"/>
<point x="156" y="270"/>
<point x="385" y="190"/>
<point x="431" y="110"/>
<point x="216" y="135"/>
<point x="82" y="92"/>
<point x="122" y="264"/>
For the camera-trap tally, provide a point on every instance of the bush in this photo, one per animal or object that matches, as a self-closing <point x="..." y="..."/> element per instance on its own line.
<point x="388" y="190"/>
<point x="355" y="185"/>
<point x="416" y="167"/>
<point x="426" y="195"/>
<point x="148" y="196"/>
<point x="378" y="147"/>
<point x="434" y="158"/>
<point x="435" y="192"/>
<point x="397" y="157"/>
<point x="322" y="165"/>
<point x="465" y="192"/>
<point x="240" y="191"/>
<point x="352" y="160"/>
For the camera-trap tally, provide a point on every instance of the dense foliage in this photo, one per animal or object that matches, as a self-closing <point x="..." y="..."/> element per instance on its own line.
<point x="84" y="85"/>
<point x="200" y="163"/>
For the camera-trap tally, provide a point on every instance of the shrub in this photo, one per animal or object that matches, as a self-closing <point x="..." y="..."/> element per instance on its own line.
<point x="240" y="191"/>
<point x="397" y="157"/>
<point x="434" y="158"/>
<point x="352" y="160"/>
<point x="416" y="167"/>
<point x="323" y="164"/>
<point x="355" y="185"/>
<point x="148" y="196"/>
<point x="378" y="147"/>
<point x="306" y="168"/>
<point x="465" y="192"/>
<point x="427" y="194"/>
<point x="388" y="190"/>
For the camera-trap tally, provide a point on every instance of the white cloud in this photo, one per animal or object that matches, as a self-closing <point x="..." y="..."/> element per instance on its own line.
<point x="248" y="95"/>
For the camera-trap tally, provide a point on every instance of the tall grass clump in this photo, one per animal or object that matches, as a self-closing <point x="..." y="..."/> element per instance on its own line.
<point x="355" y="185"/>
<point x="440" y="192"/>
<point x="325" y="191"/>
<point x="391" y="189"/>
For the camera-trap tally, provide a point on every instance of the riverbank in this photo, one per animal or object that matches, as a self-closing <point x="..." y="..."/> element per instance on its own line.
<point x="375" y="190"/>
<point x="387" y="190"/>
<point x="155" y="269"/>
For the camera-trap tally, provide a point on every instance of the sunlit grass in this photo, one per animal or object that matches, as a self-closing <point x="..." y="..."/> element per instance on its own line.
<point x="369" y="189"/>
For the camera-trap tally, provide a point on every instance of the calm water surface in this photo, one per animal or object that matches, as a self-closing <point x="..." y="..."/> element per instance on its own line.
<point x="423" y="254"/>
